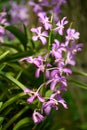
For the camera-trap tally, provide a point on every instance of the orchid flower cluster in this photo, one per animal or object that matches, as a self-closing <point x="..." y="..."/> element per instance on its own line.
<point x="19" y="13"/>
<point x="51" y="6"/>
<point x="3" y="22"/>
<point x="54" y="64"/>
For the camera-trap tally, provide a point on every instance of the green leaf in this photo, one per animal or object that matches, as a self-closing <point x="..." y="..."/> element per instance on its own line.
<point x="19" y="74"/>
<point x="1" y="120"/>
<point x="11" y="100"/>
<point x="8" y="111"/>
<point x="80" y="73"/>
<point x="16" y="57"/>
<point x="83" y="126"/>
<point x="14" y="46"/>
<point x="2" y="3"/>
<point x="15" y="66"/>
<point x="17" y="33"/>
<point x="2" y="66"/>
<point x="12" y="79"/>
<point x="15" y="117"/>
<point x="0" y="127"/>
<point x="22" y="123"/>
<point x="1" y="104"/>
<point x="48" y="93"/>
<point x="4" y="55"/>
<point x="61" y="129"/>
<point x="79" y="84"/>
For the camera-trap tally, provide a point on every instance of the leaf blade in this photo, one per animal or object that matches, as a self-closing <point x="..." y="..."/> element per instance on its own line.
<point x="18" y="34"/>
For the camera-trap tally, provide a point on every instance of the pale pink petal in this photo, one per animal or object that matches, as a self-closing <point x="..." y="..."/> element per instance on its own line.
<point x="43" y="39"/>
<point x="63" y="103"/>
<point x="31" y="99"/>
<point x="37" y="74"/>
<point x="41" y="99"/>
<point x="35" y="38"/>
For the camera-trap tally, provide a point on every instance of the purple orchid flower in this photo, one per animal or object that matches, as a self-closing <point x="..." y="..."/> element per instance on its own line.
<point x="3" y="19"/>
<point x="71" y="52"/>
<point x="45" y="21"/>
<point x="70" y="59"/>
<point x="67" y="71"/>
<point x="55" y="78"/>
<point x="37" y="117"/>
<point x="63" y="69"/>
<point x="39" y="35"/>
<point x="1" y="39"/>
<point x="57" y="97"/>
<point x="60" y="2"/>
<point x="54" y="7"/>
<point x="37" y="8"/>
<point x="34" y="95"/>
<point x="57" y="49"/>
<point x="62" y="88"/>
<point x="76" y="47"/>
<point x="55" y="63"/>
<point x="72" y="35"/>
<point x="60" y="26"/>
<point x="53" y="102"/>
<point x="2" y="31"/>
<point x="40" y="66"/>
<point x="19" y="13"/>
<point x="29" y="59"/>
<point x="38" y="62"/>
<point x="47" y="106"/>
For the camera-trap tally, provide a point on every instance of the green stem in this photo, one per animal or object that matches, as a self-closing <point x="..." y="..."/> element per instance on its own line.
<point x="49" y="45"/>
<point x="34" y="127"/>
<point x="49" y="40"/>
<point x="44" y="80"/>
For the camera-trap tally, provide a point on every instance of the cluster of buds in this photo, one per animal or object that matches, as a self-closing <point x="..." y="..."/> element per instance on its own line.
<point x="54" y="65"/>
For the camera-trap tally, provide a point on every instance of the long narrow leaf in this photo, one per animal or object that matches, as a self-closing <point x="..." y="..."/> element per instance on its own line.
<point x="15" y="57"/>
<point x="1" y="120"/>
<point x="2" y="66"/>
<point x="15" y="117"/>
<point x="20" y="35"/>
<point x="1" y="104"/>
<point x="22" y="123"/>
<point x="79" y="84"/>
<point x="11" y="100"/>
<point x="12" y="79"/>
<point x="11" y="46"/>
<point x="4" y="55"/>
<point x="80" y="73"/>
